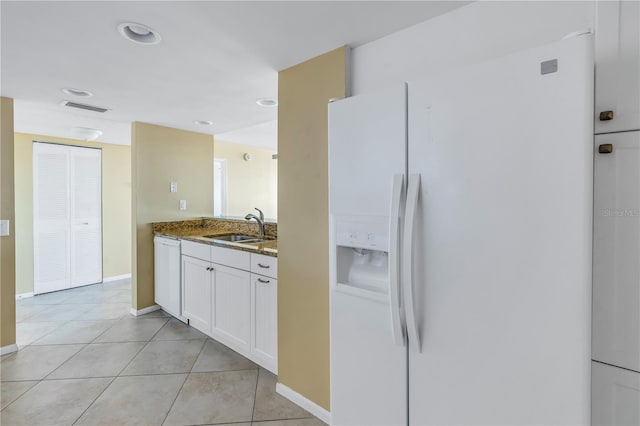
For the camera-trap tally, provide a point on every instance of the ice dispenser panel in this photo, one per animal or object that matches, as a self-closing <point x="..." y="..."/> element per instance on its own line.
<point x="362" y="253"/>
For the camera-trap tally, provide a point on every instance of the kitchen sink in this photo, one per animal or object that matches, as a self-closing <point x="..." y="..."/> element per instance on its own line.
<point x="235" y="238"/>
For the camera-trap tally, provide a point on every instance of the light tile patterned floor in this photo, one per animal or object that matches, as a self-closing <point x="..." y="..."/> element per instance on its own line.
<point x="85" y="360"/>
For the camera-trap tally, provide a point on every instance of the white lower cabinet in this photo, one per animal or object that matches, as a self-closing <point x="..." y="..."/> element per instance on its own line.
<point x="264" y="321"/>
<point x="616" y="250"/>
<point x="231" y="311"/>
<point x="225" y="298"/>
<point x="197" y="280"/>
<point x="615" y="395"/>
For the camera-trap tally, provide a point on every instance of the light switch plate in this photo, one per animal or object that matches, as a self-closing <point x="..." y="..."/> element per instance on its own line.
<point x="4" y="228"/>
<point x="183" y="204"/>
<point x="173" y="187"/>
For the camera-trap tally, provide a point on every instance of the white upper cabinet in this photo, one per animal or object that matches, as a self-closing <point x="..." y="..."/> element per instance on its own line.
<point x="616" y="250"/>
<point x="617" y="103"/>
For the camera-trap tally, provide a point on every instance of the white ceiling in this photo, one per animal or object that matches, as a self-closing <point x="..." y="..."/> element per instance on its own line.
<point x="215" y="59"/>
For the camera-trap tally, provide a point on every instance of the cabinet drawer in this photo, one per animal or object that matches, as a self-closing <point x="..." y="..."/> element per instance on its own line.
<point x="197" y="250"/>
<point x="264" y="265"/>
<point x="231" y="257"/>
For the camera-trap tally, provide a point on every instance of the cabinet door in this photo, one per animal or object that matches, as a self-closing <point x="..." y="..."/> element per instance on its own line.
<point x="231" y="307"/>
<point x="616" y="250"/>
<point x="615" y="396"/>
<point x="264" y="321"/>
<point x="167" y="275"/>
<point x="618" y="65"/>
<point x="196" y="290"/>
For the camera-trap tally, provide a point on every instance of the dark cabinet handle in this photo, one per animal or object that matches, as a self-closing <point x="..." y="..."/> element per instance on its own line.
<point x="264" y="266"/>
<point x="605" y="148"/>
<point x="606" y="115"/>
<point x="263" y="281"/>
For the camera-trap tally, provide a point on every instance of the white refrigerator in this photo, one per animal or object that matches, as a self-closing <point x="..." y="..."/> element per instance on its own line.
<point x="460" y="245"/>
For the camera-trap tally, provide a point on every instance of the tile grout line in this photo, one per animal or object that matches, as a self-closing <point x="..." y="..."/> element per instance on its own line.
<point x="20" y="396"/>
<point x="65" y="361"/>
<point x="134" y="357"/>
<point x="41" y="337"/>
<point x="119" y="374"/>
<point x="94" y="401"/>
<point x="255" y="397"/>
<point x="186" y="377"/>
<point x="183" y="383"/>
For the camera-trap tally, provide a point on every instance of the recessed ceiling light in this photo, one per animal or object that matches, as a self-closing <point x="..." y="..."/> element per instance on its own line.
<point x="267" y="102"/>
<point x="203" y="122"/>
<point x="77" y="92"/>
<point x="86" y="133"/>
<point x="138" y="33"/>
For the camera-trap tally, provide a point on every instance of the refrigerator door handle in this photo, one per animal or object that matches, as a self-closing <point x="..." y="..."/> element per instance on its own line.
<point x="413" y="191"/>
<point x="397" y="323"/>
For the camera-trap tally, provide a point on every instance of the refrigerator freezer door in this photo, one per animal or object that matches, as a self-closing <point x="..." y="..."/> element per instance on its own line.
<point x="502" y="255"/>
<point x="367" y="149"/>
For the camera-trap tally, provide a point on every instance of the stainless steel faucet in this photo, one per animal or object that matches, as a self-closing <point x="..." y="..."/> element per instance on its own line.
<point x="259" y="219"/>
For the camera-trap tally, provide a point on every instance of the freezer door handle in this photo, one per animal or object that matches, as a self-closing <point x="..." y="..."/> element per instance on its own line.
<point x="413" y="192"/>
<point x="397" y="322"/>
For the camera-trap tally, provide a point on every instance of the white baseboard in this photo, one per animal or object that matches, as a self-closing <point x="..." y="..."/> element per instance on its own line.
<point x="116" y="278"/>
<point x="24" y="295"/>
<point x="146" y="310"/>
<point x="8" y="349"/>
<point x="303" y="402"/>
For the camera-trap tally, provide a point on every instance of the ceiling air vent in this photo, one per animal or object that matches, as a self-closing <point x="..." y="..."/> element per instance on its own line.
<point x="83" y="106"/>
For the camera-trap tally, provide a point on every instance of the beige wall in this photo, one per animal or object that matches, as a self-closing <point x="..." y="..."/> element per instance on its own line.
<point x="160" y="155"/>
<point x="252" y="183"/>
<point x="116" y="207"/>
<point x="7" y="211"/>
<point x="303" y="265"/>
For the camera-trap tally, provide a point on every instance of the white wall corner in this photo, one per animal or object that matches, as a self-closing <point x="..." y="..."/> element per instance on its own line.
<point x="8" y="349"/>
<point x="146" y="310"/>
<point x="303" y="402"/>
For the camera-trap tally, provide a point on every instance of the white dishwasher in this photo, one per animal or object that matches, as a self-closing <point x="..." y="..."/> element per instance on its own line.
<point x="168" y="292"/>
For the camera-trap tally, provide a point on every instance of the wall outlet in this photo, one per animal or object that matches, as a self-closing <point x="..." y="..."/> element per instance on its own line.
<point x="4" y="228"/>
<point x="183" y="204"/>
<point x="173" y="187"/>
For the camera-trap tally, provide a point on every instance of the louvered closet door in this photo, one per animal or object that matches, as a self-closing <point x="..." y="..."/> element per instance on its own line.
<point x="67" y="217"/>
<point x="52" y="266"/>
<point x="85" y="182"/>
